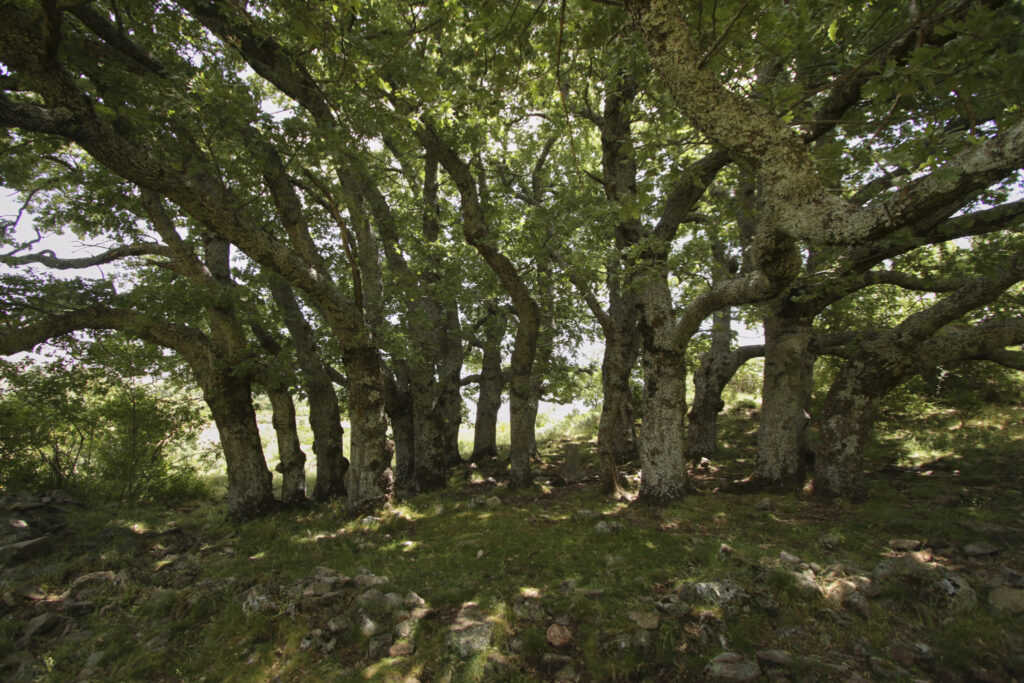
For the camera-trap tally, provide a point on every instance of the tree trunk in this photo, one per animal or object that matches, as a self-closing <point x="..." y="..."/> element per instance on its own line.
<point x="292" y="465"/>
<point x="249" y="481"/>
<point x="324" y="415"/>
<point x="662" y="456"/>
<point x="430" y="471"/>
<point x="448" y="377"/>
<point x="492" y="383"/>
<point x="522" y="406"/>
<point x="398" y="400"/>
<point x="370" y="480"/>
<point x="702" y="427"/>
<point x="782" y="452"/>
<point x="616" y="431"/>
<point x="846" y="421"/>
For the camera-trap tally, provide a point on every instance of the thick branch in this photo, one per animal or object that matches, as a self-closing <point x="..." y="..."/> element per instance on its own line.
<point x="50" y="260"/>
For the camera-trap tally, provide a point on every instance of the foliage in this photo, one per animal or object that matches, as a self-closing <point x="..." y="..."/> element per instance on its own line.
<point x="99" y="431"/>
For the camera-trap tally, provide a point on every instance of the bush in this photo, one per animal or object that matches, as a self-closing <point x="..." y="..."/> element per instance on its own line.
<point x="101" y="433"/>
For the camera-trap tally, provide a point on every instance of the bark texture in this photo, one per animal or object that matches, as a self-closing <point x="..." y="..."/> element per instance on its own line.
<point x="292" y="465"/>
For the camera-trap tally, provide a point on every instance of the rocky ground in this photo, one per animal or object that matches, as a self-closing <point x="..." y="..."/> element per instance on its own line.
<point x="119" y="601"/>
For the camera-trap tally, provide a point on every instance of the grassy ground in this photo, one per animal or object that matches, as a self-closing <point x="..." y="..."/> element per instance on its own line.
<point x="172" y="608"/>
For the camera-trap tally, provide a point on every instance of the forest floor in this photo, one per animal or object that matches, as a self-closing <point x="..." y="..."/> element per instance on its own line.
<point x="477" y="582"/>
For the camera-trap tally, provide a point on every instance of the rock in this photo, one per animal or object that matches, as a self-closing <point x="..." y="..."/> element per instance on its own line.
<point x="608" y="527"/>
<point x="726" y="549"/>
<point x="411" y="600"/>
<point x="528" y="608"/>
<point x="903" y="566"/>
<point x="724" y="592"/>
<point x="776" y="657"/>
<point x="370" y="580"/>
<point x="805" y="585"/>
<point x="493" y="502"/>
<point x="558" y="635"/>
<point x="259" y="600"/>
<point x="672" y="606"/>
<point x="764" y="504"/>
<point x="379" y="646"/>
<point x="859" y="604"/>
<point x="405" y="629"/>
<point x="731" y="666"/>
<point x="789" y="558"/>
<point x="374" y="602"/>
<point x="403" y="648"/>
<point x="839" y="590"/>
<point x="865" y="586"/>
<point x="470" y="633"/>
<point x="884" y="669"/>
<point x="957" y="593"/>
<point x="585" y="514"/>
<point x="1006" y="599"/>
<point x="648" y="621"/>
<point x="369" y="627"/>
<point x="981" y="549"/>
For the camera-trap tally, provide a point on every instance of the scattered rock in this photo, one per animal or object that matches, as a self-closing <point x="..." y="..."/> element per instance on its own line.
<point x="859" y="604"/>
<point x="903" y="566"/>
<point x="259" y="600"/>
<point x="1006" y="599"/>
<point x="726" y="549"/>
<point x="731" y="666"/>
<point x="981" y="549"/>
<point x="585" y="514"/>
<point x="884" y="669"/>
<point x="369" y="627"/>
<point x="403" y="648"/>
<point x="776" y="657"/>
<point x="558" y="635"/>
<point x="957" y="593"/>
<point x="608" y="527"/>
<point x="470" y="633"/>
<point x="789" y="558"/>
<point x="806" y="585"/>
<point x="412" y="600"/>
<point x="903" y="656"/>
<point x="529" y="609"/>
<point x="724" y="592"/>
<point x="379" y="647"/>
<point x="764" y="504"/>
<point x="370" y="580"/>
<point x="839" y="590"/>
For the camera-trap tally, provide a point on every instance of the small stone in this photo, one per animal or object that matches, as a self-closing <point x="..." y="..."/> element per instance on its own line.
<point x="1006" y="599"/>
<point x="368" y="627"/>
<point x="905" y="545"/>
<point x="922" y="556"/>
<point x="379" y="646"/>
<point x="980" y="549"/>
<point x="789" y="558"/>
<point x="585" y="514"/>
<point x="726" y="549"/>
<point x="404" y="629"/>
<point x="370" y="580"/>
<point x="958" y="593"/>
<point x="764" y="504"/>
<point x="493" y="502"/>
<point x="731" y="666"/>
<point x="806" y="585"/>
<point x="839" y="590"/>
<point x="776" y="657"/>
<point x="412" y="600"/>
<point x="558" y="635"/>
<point x="884" y="669"/>
<point x="859" y="604"/>
<point x="402" y="648"/>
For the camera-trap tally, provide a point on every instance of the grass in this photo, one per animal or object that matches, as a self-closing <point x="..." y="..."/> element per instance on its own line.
<point x="179" y="616"/>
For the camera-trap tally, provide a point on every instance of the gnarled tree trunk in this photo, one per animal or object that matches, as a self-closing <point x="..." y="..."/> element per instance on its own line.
<point x="292" y="465"/>
<point x="782" y="453"/>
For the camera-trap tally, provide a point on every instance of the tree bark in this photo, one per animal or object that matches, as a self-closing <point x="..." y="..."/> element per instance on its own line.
<point x="783" y="456"/>
<point x="370" y="480"/>
<point x="324" y="415"/>
<point x="492" y="383"/>
<point x="663" y="475"/>
<point x="847" y="418"/>
<point x="398" y="400"/>
<point x="292" y="465"/>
